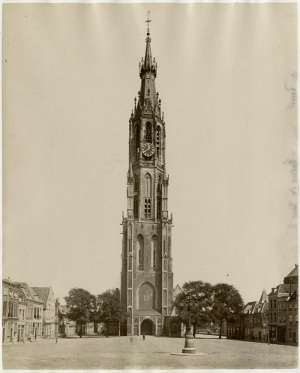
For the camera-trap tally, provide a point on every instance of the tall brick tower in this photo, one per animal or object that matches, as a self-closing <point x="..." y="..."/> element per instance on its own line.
<point x="147" y="277"/>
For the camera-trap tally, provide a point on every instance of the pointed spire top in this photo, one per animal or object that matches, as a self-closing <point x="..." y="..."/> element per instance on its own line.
<point x="148" y="56"/>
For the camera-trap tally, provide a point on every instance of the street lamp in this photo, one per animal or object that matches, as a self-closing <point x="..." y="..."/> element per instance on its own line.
<point x="189" y="347"/>
<point x="56" y="319"/>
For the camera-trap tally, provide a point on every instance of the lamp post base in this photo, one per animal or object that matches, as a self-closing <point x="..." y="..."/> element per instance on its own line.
<point x="189" y="347"/>
<point x="189" y="350"/>
<point x="189" y="354"/>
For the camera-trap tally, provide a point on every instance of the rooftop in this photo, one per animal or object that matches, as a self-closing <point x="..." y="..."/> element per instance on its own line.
<point x="43" y="293"/>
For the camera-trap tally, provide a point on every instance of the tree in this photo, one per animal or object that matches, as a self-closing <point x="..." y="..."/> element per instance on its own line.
<point x="194" y="304"/>
<point x="80" y="304"/>
<point x="109" y="307"/>
<point x="227" y="304"/>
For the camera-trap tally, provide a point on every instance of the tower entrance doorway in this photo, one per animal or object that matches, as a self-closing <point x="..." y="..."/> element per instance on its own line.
<point x="147" y="327"/>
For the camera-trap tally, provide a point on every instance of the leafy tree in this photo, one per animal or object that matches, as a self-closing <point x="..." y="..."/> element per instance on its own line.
<point x="94" y="314"/>
<point x="81" y="305"/>
<point x="194" y="304"/>
<point x="227" y="304"/>
<point x="109" y="307"/>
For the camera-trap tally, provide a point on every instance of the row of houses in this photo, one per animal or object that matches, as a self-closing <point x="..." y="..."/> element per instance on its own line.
<point x="28" y="313"/>
<point x="274" y="318"/>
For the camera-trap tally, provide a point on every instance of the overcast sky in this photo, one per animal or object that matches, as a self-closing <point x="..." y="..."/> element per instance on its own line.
<point x="226" y="79"/>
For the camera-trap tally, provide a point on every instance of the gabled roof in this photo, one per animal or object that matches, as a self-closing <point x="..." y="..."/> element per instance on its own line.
<point x="283" y="290"/>
<point x="294" y="272"/>
<point x="15" y="290"/>
<point x="249" y="307"/>
<point x="264" y="297"/>
<point x="43" y="293"/>
<point x="29" y="292"/>
<point x="177" y="290"/>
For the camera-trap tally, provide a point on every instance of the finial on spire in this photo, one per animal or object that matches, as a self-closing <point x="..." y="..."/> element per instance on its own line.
<point x="148" y="20"/>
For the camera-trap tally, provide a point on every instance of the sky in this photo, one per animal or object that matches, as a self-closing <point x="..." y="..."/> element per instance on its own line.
<point x="226" y="77"/>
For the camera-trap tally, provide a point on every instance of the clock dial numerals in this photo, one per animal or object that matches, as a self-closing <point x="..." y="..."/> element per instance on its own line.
<point x="148" y="149"/>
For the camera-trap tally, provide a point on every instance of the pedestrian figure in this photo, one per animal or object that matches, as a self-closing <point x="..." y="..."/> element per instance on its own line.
<point x="144" y="337"/>
<point x="56" y="339"/>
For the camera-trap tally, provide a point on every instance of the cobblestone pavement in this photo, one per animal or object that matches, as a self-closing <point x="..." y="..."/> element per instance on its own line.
<point x="154" y="352"/>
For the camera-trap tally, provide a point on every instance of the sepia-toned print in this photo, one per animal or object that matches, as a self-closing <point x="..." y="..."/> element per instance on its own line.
<point x="102" y="146"/>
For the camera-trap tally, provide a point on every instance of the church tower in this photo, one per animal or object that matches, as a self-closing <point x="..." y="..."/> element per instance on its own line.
<point x="147" y="277"/>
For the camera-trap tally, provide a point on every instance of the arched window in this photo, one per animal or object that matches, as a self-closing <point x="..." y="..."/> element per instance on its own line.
<point x="165" y="297"/>
<point x="148" y="185"/>
<point x="136" y="198"/>
<point x="146" y="297"/>
<point x="137" y="139"/>
<point x="158" y="141"/>
<point x="140" y="252"/>
<point x="148" y="132"/>
<point x="148" y="196"/>
<point x="159" y="196"/>
<point x="153" y="251"/>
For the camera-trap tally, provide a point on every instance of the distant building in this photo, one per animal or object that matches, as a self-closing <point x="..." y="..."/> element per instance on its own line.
<point x="10" y="304"/>
<point x="66" y="327"/>
<point x="292" y="307"/>
<point x="274" y="318"/>
<point x="173" y="326"/>
<point x="260" y="321"/>
<point x="33" y="323"/>
<point x="28" y="313"/>
<point x="247" y="320"/>
<point x="252" y="324"/>
<point x="176" y="291"/>
<point x="283" y="311"/>
<point x="49" y="321"/>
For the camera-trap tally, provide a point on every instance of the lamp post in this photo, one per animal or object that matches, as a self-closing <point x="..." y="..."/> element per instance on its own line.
<point x="56" y="319"/>
<point x="189" y="347"/>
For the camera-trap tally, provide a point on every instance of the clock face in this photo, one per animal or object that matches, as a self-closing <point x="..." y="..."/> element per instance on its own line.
<point x="148" y="149"/>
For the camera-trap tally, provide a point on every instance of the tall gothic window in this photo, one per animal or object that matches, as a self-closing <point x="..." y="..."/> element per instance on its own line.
<point x="137" y="139"/>
<point x="130" y="262"/>
<point x="140" y="252"/>
<point x="158" y="142"/>
<point x="136" y="198"/>
<point x="159" y="205"/>
<point x="146" y="296"/>
<point x="153" y="252"/>
<point x="148" y="132"/>
<point x="148" y="197"/>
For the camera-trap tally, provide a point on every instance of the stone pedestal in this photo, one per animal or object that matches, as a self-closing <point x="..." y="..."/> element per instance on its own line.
<point x="189" y="347"/>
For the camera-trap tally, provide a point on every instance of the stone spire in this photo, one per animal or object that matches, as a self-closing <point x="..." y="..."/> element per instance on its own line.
<point x="148" y="70"/>
<point x="148" y="55"/>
